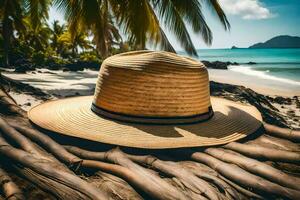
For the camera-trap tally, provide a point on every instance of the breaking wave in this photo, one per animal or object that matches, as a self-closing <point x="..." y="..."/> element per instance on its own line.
<point x="248" y="70"/>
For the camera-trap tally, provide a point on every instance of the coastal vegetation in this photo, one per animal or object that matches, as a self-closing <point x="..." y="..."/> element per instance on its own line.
<point x="96" y="29"/>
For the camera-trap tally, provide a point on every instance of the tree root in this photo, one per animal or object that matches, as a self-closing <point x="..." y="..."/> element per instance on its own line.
<point x="256" y="167"/>
<point x="10" y="190"/>
<point x="244" y="178"/>
<point x="115" y="186"/>
<point x="212" y="177"/>
<point x="49" y="144"/>
<point x="289" y="134"/>
<point x="277" y="143"/>
<point x="257" y="151"/>
<point x="79" y="189"/>
<point x="45" y="165"/>
<point x="141" y="178"/>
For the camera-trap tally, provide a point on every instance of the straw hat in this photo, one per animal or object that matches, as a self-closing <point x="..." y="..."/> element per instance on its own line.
<point x="150" y="99"/>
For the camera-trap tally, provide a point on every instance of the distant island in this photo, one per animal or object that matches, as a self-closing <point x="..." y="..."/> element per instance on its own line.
<point x="282" y="41"/>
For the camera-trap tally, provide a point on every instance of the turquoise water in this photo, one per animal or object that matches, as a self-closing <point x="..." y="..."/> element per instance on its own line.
<point x="275" y="64"/>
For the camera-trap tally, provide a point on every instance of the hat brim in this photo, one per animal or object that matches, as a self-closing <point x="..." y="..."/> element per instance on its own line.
<point x="73" y="117"/>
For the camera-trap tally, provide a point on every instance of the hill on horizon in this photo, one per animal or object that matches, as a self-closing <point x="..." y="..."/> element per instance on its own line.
<point x="282" y="41"/>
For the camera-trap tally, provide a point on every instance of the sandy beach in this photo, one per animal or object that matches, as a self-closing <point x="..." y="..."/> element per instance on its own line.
<point x="65" y="84"/>
<point x="56" y="83"/>
<point x="256" y="83"/>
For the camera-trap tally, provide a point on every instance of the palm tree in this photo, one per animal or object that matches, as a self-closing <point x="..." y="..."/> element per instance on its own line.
<point x="37" y="11"/>
<point x="35" y="37"/>
<point x="94" y="16"/>
<point x="110" y="37"/>
<point x="140" y="20"/>
<point x="73" y="42"/>
<point x="12" y="13"/>
<point x="56" y="31"/>
<point x="11" y="19"/>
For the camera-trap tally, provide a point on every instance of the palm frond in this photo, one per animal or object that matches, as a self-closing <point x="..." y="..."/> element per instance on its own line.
<point x="18" y="17"/>
<point x="140" y="20"/>
<point x="37" y="11"/>
<point x="133" y="18"/>
<point x="174" y="22"/>
<point x="191" y="12"/>
<point x="159" y="36"/>
<point x="100" y="28"/>
<point x="219" y="11"/>
<point x="115" y="32"/>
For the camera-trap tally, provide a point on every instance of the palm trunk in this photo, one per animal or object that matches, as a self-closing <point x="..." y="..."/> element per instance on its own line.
<point x="6" y="34"/>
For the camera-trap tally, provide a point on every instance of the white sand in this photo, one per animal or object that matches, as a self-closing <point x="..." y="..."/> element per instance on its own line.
<point x="258" y="84"/>
<point x="24" y="100"/>
<point x="59" y="83"/>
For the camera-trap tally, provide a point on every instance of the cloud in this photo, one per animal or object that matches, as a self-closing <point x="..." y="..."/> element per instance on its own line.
<point x="247" y="9"/>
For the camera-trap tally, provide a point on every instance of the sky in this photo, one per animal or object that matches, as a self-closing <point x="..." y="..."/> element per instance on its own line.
<point x="251" y="21"/>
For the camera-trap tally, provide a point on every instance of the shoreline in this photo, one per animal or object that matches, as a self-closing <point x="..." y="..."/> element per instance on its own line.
<point x="58" y="81"/>
<point x="224" y="72"/>
<point x="258" y="84"/>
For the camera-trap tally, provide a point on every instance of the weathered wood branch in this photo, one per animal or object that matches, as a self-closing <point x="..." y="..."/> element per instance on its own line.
<point x="8" y="105"/>
<point x="136" y="175"/>
<point x="172" y="169"/>
<point x="45" y="167"/>
<point x="257" y="151"/>
<point x="78" y="188"/>
<point x="49" y="144"/>
<point x="10" y="190"/>
<point x="256" y="167"/>
<point x="290" y="134"/>
<point x="116" y="187"/>
<point x="212" y="177"/>
<point x="275" y="142"/>
<point x="244" y="178"/>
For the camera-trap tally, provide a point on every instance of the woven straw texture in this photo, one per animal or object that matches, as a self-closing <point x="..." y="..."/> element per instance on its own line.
<point x="150" y="84"/>
<point x="73" y="117"/>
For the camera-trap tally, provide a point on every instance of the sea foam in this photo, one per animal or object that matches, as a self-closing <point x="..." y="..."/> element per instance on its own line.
<point x="247" y="70"/>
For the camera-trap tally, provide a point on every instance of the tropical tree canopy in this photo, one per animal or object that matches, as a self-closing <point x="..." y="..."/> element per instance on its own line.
<point x="141" y="20"/>
<point x="74" y="42"/>
<point x="56" y="31"/>
<point x="110" y="23"/>
<point x="38" y="38"/>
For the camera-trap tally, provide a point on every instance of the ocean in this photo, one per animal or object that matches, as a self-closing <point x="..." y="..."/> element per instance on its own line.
<point x="281" y="65"/>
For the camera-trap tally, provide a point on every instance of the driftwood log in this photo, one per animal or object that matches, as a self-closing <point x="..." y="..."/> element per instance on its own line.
<point x="36" y="164"/>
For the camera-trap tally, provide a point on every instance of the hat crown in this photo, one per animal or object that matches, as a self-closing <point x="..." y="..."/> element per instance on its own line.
<point x="152" y="84"/>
